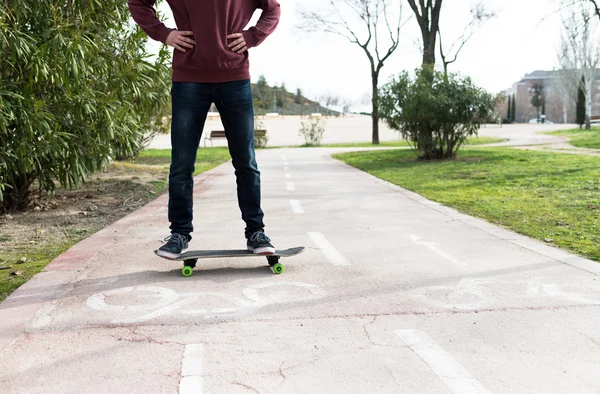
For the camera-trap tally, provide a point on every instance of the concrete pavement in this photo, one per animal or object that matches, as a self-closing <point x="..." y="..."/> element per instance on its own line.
<point x="395" y="293"/>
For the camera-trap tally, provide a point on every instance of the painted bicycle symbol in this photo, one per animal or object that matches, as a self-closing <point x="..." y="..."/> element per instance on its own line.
<point x="477" y="293"/>
<point x="150" y="302"/>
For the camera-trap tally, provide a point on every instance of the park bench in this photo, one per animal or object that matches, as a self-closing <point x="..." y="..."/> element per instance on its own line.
<point x="259" y="137"/>
<point x="215" y="135"/>
<point x="595" y="119"/>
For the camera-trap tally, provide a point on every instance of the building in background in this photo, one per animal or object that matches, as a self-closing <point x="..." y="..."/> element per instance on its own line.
<point x="559" y="109"/>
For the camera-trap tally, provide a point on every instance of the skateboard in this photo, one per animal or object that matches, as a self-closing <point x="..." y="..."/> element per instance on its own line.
<point x="191" y="257"/>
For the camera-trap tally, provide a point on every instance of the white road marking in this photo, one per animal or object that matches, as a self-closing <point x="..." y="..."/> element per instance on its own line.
<point x="283" y="157"/>
<point x="159" y="302"/>
<point x="282" y="296"/>
<point x="332" y="254"/>
<point x="296" y="206"/>
<point x="454" y="375"/>
<point x="286" y="168"/>
<point x="433" y="246"/>
<point x="192" y="370"/>
<point x="290" y="186"/>
<point x="288" y="175"/>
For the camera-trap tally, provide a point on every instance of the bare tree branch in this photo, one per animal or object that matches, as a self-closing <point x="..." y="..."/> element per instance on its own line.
<point x="479" y="15"/>
<point x="360" y="22"/>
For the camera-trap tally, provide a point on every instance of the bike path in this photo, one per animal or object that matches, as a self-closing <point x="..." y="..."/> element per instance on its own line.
<point x="394" y="294"/>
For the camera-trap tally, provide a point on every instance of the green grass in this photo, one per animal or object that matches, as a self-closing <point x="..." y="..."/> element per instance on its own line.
<point x="37" y="259"/>
<point x="547" y="196"/>
<point x="403" y="143"/>
<point x="582" y="138"/>
<point x="206" y="158"/>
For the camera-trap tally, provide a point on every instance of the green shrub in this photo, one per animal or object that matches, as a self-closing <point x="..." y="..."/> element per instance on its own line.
<point x="312" y="131"/>
<point x="434" y="111"/>
<point x="76" y="89"/>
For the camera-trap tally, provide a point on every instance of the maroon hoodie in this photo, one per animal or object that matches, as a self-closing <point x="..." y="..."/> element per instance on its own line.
<point x="212" y="21"/>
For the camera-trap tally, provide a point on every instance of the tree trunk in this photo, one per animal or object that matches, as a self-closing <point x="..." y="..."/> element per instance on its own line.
<point x="429" y="40"/>
<point x="375" y="112"/>
<point x="588" y="105"/>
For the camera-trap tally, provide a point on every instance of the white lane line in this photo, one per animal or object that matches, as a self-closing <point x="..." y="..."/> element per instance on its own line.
<point x="290" y="186"/>
<point x="296" y="206"/>
<point x="288" y="175"/>
<point x="286" y="168"/>
<point x="454" y="375"/>
<point x="192" y="370"/>
<point x="433" y="246"/>
<point x="332" y="254"/>
<point x="283" y="157"/>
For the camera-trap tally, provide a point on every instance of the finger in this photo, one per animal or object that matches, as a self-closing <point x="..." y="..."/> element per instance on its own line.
<point x="188" y="40"/>
<point x="236" y="42"/>
<point x="184" y="44"/>
<point x="244" y="49"/>
<point x="178" y="48"/>
<point x="235" y="35"/>
<point x="186" y="33"/>
<point x="238" y="47"/>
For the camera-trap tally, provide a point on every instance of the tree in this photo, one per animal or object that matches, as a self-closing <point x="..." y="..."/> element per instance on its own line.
<point x="281" y="101"/>
<point x="580" y="111"/>
<point x="330" y="100"/>
<point x="298" y="99"/>
<point x="263" y="91"/>
<point x="479" y="15"/>
<point x="544" y="111"/>
<point x="596" y="5"/>
<point x="374" y="16"/>
<point x="76" y="90"/>
<point x="428" y="18"/>
<point x="537" y="98"/>
<point x="514" y="109"/>
<point x="579" y="54"/>
<point x="434" y="111"/>
<point x="509" y="113"/>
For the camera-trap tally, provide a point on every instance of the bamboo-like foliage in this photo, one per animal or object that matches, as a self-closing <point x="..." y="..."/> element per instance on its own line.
<point x="76" y="89"/>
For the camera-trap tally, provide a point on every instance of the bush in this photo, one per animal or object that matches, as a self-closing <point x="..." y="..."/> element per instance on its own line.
<point x="76" y="89"/>
<point x="260" y="134"/>
<point x="312" y="131"/>
<point x="434" y="111"/>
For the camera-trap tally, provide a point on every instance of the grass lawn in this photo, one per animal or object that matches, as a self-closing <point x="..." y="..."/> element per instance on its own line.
<point x="402" y="143"/>
<point x="582" y="138"/>
<point x="55" y="223"/>
<point x="549" y="196"/>
<point x="206" y="158"/>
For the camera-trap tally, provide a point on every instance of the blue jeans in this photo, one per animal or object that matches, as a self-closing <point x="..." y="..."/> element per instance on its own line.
<point x="191" y="102"/>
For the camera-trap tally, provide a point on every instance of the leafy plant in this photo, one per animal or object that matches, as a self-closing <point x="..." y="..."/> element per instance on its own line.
<point x="312" y="131"/>
<point x="435" y="112"/>
<point x="76" y="89"/>
<point x="260" y="133"/>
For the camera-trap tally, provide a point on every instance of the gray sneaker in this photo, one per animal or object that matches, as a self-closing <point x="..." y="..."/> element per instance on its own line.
<point x="259" y="243"/>
<point x="175" y="246"/>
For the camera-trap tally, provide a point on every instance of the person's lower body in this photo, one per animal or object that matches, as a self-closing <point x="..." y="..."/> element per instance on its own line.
<point x="190" y="105"/>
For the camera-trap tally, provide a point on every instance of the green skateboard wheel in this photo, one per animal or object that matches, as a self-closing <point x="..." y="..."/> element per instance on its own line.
<point x="187" y="271"/>
<point x="277" y="268"/>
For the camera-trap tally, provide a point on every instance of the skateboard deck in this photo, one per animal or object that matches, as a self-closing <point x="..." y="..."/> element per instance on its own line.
<point x="190" y="258"/>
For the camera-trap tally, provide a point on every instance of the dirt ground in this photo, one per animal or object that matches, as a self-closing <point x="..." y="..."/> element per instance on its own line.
<point x="52" y="224"/>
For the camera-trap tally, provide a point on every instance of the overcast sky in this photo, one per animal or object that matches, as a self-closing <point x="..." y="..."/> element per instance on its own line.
<point x="521" y="39"/>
